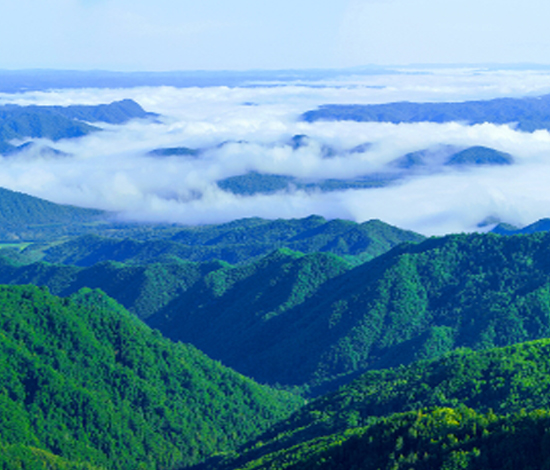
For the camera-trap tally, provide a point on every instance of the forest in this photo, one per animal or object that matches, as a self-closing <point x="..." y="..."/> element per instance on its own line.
<point x="287" y="343"/>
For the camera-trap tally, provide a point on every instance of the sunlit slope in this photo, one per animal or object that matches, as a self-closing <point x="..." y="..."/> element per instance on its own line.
<point x="298" y="319"/>
<point x="83" y="379"/>
<point x="485" y="399"/>
<point x="417" y="301"/>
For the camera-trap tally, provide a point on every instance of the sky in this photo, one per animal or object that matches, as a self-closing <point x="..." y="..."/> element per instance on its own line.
<point x="169" y="35"/>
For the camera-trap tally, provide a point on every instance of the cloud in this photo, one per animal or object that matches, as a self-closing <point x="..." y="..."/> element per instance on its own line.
<point x="249" y="129"/>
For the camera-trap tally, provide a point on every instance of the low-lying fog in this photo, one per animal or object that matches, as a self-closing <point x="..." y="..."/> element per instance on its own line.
<point x="244" y="129"/>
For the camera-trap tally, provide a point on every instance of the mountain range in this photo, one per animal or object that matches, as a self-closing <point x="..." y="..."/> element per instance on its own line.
<point x="526" y="114"/>
<point x="140" y="346"/>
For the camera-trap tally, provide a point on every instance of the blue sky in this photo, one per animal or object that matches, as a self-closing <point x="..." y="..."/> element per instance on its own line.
<point x="165" y="35"/>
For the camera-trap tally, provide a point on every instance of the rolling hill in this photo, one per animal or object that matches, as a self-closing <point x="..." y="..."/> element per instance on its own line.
<point x="84" y="380"/>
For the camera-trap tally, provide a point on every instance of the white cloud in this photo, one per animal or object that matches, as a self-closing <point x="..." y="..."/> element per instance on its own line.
<point x="110" y="169"/>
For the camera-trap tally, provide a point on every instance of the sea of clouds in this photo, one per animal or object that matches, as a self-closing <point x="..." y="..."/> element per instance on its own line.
<point x="248" y="128"/>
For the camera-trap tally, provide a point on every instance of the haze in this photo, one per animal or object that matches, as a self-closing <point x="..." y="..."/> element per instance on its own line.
<point x="141" y="35"/>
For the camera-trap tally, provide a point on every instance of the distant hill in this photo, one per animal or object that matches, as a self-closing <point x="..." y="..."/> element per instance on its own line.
<point x="174" y="152"/>
<point x="480" y="155"/>
<point x="85" y="380"/>
<point x="426" y="160"/>
<point x="259" y="183"/>
<point x="542" y="225"/>
<point x="19" y="210"/>
<point x="61" y="122"/>
<point x="527" y="114"/>
<point x="238" y="242"/>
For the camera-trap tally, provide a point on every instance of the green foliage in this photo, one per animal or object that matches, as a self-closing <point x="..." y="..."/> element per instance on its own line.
<point x="417" y="301"/>
<point x="240" y="241"/>
<point x="442" y="438"/>
<point x="375" y="422"/>
<point x="17" y="209"/>
<point x="84" y="380"/>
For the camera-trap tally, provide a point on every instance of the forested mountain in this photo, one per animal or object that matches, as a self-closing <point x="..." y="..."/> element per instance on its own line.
<point x="239" y="241"/>
<point x="457" y="394"/>
<point x="18" y="210"/>
<point x="528" y="114"/>
<point x="61" y="122"/>
<point x="416" y="301"/>
<point x="88" y="382"/>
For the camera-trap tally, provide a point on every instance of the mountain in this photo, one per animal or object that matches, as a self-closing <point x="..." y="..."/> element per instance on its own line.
<point x="416" y="301"/>
<point x="19" y="211"/>
<point x="117" y="112"/>
<point x="542" y="225"/>
<point x="239" y="241"/>
<point x="88" y="382"/>
<point x="459" y="393"/>
<point x="174" y="152"/>
<point x="61" y="122"/>
<point x="259" y="183"/>
<point x="526" y="114"/>
<point x="480" y="155"/>
<point x="435" y="438"/>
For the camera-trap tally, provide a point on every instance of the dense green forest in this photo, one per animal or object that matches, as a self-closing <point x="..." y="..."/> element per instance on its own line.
<point x="482" y="399"/>
<point x="85" y="380"/>
<point x="426" y="337"/>
<point x="236" y="242"/>
<point x="416" y="301"/>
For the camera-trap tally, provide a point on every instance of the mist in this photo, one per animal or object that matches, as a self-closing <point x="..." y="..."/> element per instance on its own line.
<point x="243" y="129"/>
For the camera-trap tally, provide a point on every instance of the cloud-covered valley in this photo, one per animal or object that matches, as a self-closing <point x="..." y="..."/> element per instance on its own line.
<point x="234" y="131"/>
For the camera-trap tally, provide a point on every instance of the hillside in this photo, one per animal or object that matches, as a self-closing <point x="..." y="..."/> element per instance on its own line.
<point x="527" y="114"/>
<point x="86" y="381"/>
<point x="459" y="393"/>
<point x="236" y="242"/>
<point x="20" y="212"/>
<point x="414" y="302"/>
<point x="61" y="122"/>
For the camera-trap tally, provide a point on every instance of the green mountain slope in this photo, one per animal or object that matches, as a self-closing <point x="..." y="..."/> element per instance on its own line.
<point x="414" y="302"/>
<point x="21" y="209"/>
<point x="440" y="438"/>
<point x="144" y="290"/>
<point x="86" y="381"/>
<point x="325" y="317"/>
<point x="510" y="381"/>
<point x="237" y="242"/>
